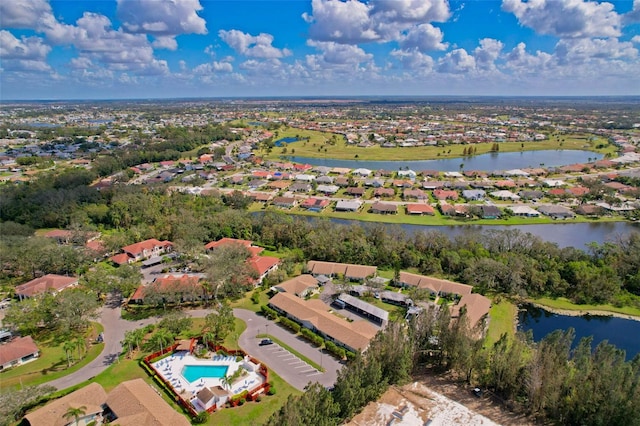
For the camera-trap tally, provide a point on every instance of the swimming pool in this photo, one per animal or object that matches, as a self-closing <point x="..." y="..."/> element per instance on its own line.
<point x="196" y="372"/>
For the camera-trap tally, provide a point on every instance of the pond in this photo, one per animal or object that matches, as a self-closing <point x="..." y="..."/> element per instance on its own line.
<point x="487" y="162"/>
<point x="282" y="141"/>
<point x="618" y="331"/>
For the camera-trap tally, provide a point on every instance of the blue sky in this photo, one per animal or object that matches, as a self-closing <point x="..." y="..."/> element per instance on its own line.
<point x="197" y="48"/>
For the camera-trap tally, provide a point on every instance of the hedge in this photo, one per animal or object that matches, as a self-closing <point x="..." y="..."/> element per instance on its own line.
<point x="311" y="336"/>
<point x="292" y="325"/>
<point x="268" y="312"/>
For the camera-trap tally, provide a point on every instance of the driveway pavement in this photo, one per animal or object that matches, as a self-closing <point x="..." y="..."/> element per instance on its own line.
<point x="114" y="329"/>
<point x="288" y="366"/>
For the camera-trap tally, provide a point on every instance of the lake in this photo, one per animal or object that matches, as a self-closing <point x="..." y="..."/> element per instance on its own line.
<point x="564" y="234"/>
<point x="487" y="162"/>
<point x="618" y="331"/>
<point x="279" y="142"/>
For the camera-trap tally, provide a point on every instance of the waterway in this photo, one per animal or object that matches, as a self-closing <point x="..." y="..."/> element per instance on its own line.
<point x="487" y="162"/>
<point x="563" y="234"/>
<point x="618" y="331"/>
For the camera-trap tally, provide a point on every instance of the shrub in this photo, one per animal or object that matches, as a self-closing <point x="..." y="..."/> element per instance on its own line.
<point x="292" y="325"/>
<point x="258" y="398"/>
<point x="350" y="355"/>
<point x="271" y="391"/>
<point x="241" y="401"/>
<point x="201" y="418"/>
<point x="268" y="312"/>
<point x="255" y="297"/>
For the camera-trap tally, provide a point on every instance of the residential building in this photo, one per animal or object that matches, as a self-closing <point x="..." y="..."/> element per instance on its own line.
<point x="146" y="249"/>
<point x="18" y="351"/>
<point x="421" y="209"/>
<point x="383" y="208"/>
<point x="556" y="212"/>
<point x="313" y="314"/>
<point x="436" y="286"/>
<point x="92" y="397"/>
<point x="348" y="205"/>
<point x="349" y="271"/>
<point x="47" y="283"/>
<point x="301" y="286"/>
<point x="373" y="313"/>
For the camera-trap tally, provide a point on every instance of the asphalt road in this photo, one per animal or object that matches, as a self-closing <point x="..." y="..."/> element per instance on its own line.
<point x="114" y="329"/>
<point x="293" y="370"/>
<point x="288" y="366"/>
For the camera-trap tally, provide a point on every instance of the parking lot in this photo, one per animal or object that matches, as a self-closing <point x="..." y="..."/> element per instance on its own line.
<point x="292" y="369"/>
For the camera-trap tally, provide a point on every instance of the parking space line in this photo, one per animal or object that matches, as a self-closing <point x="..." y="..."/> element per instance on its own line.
<point x="314" y="374"/>
<point x="302" y="366"/>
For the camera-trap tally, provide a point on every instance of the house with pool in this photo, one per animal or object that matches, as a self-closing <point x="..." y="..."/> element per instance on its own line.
<point x="205" y="377"/>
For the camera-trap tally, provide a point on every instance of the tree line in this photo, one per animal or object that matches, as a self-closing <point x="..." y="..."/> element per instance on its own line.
<point x="553" y="380"/>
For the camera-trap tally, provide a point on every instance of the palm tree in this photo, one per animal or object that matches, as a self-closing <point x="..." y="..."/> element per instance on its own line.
<point x="129" y="341"/>
<point x="68" y="348"/>
<point x="80" y="345"/>
<point x="227" y="381"/>
<point x="76" y="413"/>
<point x="161" y="339"/>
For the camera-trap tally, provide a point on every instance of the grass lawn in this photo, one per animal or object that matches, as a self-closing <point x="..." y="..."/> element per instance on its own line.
<point x="565" y="304"/>
<point x="51" y="365"/>
<point x="439" y="220"/>
<point x="256" y="413"/>
<point x="502" y="314"/>
<point x="247" y="303"/>
<point x="315" y="148"/>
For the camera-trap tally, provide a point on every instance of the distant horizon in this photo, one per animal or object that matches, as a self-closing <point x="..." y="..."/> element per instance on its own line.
<point x="329" y="97"/>
<point x="163" y="49"/>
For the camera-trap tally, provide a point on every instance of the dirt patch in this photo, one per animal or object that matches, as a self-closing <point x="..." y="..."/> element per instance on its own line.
<point x="439" y="400"/>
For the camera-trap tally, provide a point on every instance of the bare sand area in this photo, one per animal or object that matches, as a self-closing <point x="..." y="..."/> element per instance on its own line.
<point x="439" y="401"/>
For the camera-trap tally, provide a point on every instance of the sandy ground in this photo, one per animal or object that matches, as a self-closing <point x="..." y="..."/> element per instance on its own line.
<point x="419" y="402"/>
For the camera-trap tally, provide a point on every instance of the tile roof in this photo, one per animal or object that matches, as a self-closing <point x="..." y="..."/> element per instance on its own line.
<point x="434" y="284"/>
<point x="17" y="348"/>
<point x="91" y="396"/>
<point x="298" y="284"/>
<point x="135" y="403"/>
<point x="356" y="335"/>
<point x="45" y="283"/>
<point x="149" y="244"/>
<point x="227" y="241"/>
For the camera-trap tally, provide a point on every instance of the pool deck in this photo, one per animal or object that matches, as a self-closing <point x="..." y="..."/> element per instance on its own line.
<point x="170" y="368"/>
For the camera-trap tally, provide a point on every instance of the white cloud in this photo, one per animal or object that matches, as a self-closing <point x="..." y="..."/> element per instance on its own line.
<point x="347" y="21"/>
<point x="413" y="60"/>
<point x="213" y="67"/>
<point x="161" y="17"/>
<point x="457" y="61"/>
<point x="23" y="13"/>
<point x="566" y="18"/>
<point x="340" y="54"/>
<point x="259" y="46"/>
<point x="424" y="37"/>
<point x="411" y="10"/>
<point x="353" y="22"/>
<point x="487" y="53"/>
<point x="634" y="15"/>
<point x="579" y="51"/>
<point x="520" y="61"/>
<point x="30" y="48"/>
<point x="81" y="63"/>
<point x="165" y="42"/>
<point x="636" y="39"/>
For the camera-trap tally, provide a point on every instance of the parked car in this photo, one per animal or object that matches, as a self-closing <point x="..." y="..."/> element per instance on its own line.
<point x="265" y="342"/>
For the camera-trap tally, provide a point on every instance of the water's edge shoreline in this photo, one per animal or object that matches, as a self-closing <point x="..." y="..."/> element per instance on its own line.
<point x="581" y="312"/>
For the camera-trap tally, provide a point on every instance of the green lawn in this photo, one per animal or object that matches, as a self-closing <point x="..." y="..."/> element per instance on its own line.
<point x="565" y="304"/>
<point x="438" y="220"/>
<point x="51" y="365"/>
<point x="315" y="148"/>
<point x="502" y="313"/>
<point x="247" y="303"/>
<point x="256" y="413"/>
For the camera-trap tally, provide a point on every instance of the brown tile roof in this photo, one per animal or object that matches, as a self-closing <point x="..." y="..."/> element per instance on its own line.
<point x="227" y="241"/>
<point x="135" y="403"/>
<point x="17" y="348"/>
<point x="298" y="284"/>
<point x="356" y="335"/>
<point x="91" y="396"/>
<point x="121" y="258"/>
<point x="436" y="285"/>
<point x="149" y="244"/>
<point x="420" y="209"/>
<point x="346" y="269"/>
<point x="477" y="307"/>
<point x="45" y="283"/>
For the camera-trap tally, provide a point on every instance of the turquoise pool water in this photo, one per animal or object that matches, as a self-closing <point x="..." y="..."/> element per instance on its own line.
<point x="196" y="372"/>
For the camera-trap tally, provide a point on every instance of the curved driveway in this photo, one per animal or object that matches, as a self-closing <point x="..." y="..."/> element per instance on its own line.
<point x="290" y="368"/>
